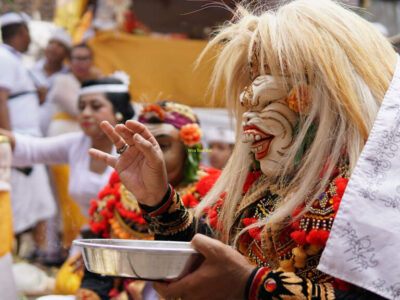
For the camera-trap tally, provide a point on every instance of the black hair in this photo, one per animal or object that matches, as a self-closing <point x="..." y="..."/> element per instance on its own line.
<point x="9" y="31"/>
<point x="82" y="45"/>
<point x="121" y="101"/>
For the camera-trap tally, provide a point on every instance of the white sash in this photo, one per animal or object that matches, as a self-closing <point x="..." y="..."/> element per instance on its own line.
<point x="364" y="244"/>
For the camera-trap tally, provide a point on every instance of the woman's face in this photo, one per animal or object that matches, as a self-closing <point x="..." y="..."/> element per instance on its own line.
<point x="220" y="154"/>
<point x="268" y="123"/>
<point x="81" y="61"/>
<point x="173" y="150"/>
<point x="93" y="109"/>
<point x="55" y="51"/>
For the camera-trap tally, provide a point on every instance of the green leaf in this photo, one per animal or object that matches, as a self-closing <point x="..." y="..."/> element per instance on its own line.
<point x="192" y="164"/>
<point x="307" y="141"/>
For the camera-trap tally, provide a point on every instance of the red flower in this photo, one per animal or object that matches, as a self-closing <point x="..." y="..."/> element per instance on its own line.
<point x="254" y="232"/>
<point x="206" y="183"/>
<point x="296" y="225"/>
<point x="114" y="178"/>
<point x="317" y="237"/>
<point x="336" y="202"/>
<point x="249" y="221"/>
<point x="213" y="214"/>
<point x="190" y="201"/>
<point x="341" y="184"/>
<point x="297" y="211"/>
<point x="93" y="207"/>
<point x="299" y="237"/>
<point x="111" y="203"/>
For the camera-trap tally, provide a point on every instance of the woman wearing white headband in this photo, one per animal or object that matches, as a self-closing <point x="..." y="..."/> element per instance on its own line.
<point x="100" y="99"/>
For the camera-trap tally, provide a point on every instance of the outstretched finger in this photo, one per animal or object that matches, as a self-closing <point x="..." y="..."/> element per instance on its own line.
<point x="104" y="157"/>
<point x="139" y="128"/>
<point x="125" y="133"/>
<point x="114" y="137"/>
<point x="148" y="150"/>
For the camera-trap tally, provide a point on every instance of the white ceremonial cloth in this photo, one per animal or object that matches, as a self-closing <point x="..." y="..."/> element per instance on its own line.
<point x="364" y="245"/>
<point x="69" y="148"/>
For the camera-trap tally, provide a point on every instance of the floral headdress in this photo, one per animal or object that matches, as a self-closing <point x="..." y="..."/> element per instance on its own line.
<point x="184" y="119"/>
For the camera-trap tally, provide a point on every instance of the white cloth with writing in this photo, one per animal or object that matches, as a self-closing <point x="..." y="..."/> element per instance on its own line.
<point x="364" y="244"/>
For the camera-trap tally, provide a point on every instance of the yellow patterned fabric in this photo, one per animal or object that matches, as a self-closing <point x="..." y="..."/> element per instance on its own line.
<point x="68" y="13"/>
<point x="70" y="213"/>
<point x="157" y="65"/>
<point x="6" y="231"/>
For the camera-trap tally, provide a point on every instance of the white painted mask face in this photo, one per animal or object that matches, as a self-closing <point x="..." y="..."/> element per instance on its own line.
<point x="268" y="123"/>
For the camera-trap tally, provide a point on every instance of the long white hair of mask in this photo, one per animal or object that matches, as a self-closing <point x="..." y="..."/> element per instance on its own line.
<point x="348" y="66"/>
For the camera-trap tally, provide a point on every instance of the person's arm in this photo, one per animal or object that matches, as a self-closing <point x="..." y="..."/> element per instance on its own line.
<point x="265" y="284"/>
<point x="4" y="116"/>
<point x="172" y="221"/>
<point x="8" y="77"/>
<point x="50" y="150"/>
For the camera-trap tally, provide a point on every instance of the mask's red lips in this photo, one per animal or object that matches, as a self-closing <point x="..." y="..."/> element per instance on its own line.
<point x="260" y="139"/>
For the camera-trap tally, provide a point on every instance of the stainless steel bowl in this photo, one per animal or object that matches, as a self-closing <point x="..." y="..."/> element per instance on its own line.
<point x="149" y="260"/>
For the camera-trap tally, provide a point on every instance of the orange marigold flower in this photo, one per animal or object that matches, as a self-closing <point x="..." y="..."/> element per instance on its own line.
<point x="190" y="134"/>
<point x="298" y="99"/>
<point x="153" y="109"/>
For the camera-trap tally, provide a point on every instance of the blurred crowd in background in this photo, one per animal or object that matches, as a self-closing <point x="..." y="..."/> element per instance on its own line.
<point x="43" y="64"/>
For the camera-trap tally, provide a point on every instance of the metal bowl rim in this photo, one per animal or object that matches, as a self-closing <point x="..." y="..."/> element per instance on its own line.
<point x="91" y="243"/>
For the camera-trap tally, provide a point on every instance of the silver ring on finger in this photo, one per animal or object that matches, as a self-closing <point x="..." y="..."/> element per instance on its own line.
<point x="122" y="149"/>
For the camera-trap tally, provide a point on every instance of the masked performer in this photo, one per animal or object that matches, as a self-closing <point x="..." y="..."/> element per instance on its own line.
<point x="117" y="214"/>
<point x="305" y="83"/>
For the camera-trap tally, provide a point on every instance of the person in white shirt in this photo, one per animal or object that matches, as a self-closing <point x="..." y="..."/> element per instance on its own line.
<point x="64" y="94"/>
<point x="31" y="196"/>
<point x="48" y="68"/>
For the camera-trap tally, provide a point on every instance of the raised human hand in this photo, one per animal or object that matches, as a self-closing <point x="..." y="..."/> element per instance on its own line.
<point x="222" y="275"/>
<point x="140" y="165"/>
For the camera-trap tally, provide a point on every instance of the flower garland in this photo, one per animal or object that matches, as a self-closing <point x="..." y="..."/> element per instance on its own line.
<point x="303" y="234"/>
<point x="214" y="211"/>
<point x="309" y="232"/>
<point x="153" y="111"/>
<point x="110" y="204"/>
<point x="110" y="218"/>
<point x="310" y="237"/>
